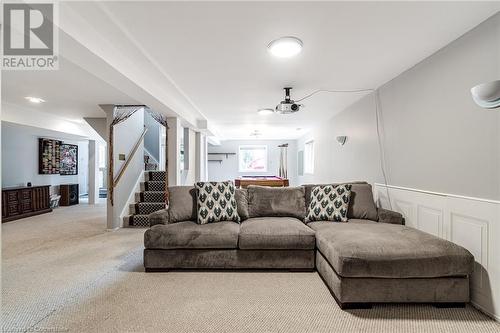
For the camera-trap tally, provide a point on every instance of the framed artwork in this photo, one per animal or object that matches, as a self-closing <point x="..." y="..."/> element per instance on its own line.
<point x="69" y="159"/>
<point x="49" y="152"/>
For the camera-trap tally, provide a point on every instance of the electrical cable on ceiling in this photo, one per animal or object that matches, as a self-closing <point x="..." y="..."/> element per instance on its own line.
<point x="334" y="91"/>
<point x="376" y="99"/>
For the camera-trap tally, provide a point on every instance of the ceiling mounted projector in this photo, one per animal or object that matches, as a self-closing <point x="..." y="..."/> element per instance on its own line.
<point x="288" y="105"/>
<point x="487" y="95"/>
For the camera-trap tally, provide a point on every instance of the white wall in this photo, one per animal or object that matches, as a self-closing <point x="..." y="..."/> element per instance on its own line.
<point x="228" y="168"/>
<point x="20" y="157"/>
<point x="188" y="175"/>
<point x="126" y="134"/>
<point x="201" y="158"/>
<point x="152" y="138"/>
<point x="435" y="137"/>
<point x="174" y="135"/>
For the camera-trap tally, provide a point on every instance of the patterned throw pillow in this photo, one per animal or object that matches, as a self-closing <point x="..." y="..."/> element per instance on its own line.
<point x="329" y="203"/>
<point x="216" y="202"/>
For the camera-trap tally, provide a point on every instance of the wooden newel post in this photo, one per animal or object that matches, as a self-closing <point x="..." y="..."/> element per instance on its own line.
<point x="111" y="184"/>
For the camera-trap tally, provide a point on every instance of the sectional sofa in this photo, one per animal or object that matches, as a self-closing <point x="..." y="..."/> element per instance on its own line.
<point x="373" y="258"/>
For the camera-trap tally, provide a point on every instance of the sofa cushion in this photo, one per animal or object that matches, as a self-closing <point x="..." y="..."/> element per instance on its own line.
<point x="361" y="205"/>
<point x="182" y="203"/>
<point x="241" y="196"/>
<point x="389" y="216"/>
<point x="216" y="202"/>
<point x="389" y="251"/>
<point x="329" y="203"/>
<point x="275" y="233"/>
<point x="191" y="235"/>
<point x="266" y="201"/>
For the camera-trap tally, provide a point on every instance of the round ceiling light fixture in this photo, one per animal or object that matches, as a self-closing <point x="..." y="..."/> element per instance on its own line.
<point x="265" y="112"/>
<point x="285" y="47"/>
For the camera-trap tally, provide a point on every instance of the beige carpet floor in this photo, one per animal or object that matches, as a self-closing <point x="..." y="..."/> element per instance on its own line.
<point x="62" y="272"/>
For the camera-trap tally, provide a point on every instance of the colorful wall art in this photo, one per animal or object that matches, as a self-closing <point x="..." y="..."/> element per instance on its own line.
<point x="69" y="159"/>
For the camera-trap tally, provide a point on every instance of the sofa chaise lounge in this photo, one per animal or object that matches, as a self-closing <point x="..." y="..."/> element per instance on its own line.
<point x="373" y="258"/>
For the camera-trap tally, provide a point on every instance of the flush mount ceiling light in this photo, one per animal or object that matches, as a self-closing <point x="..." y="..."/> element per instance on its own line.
<point x="487" y="95"/>
<point x="265" y="112"/>
<point x="35" y="100"/>
<point x="285" y="47"/>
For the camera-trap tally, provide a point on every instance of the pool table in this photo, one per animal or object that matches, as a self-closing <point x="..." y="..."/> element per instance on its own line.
<point x="272" y="181"/>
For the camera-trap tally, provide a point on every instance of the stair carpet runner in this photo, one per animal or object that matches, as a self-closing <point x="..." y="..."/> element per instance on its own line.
<point x="149" y="200"/>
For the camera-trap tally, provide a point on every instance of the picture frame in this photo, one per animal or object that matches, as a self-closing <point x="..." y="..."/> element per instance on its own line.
<point x="49" y="151"/>
<point x="69" y="160"/>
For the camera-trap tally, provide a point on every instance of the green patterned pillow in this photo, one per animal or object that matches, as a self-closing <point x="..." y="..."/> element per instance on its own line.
<point x="216" y="202"/>
<point x="329" y="203"/>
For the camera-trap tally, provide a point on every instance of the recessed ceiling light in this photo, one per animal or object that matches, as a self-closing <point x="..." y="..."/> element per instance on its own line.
<point x="35" y="100"/>
<point x="265" y="112"/>
<point x="285" y="47"/>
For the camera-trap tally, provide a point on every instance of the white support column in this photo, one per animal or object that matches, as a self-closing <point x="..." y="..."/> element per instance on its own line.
<point x="204" y="143"/>
<point x="109" y="110"/>
<point x="93" y="172"/>
<point x="201" y="157"/>
<point x="174" y="151"/>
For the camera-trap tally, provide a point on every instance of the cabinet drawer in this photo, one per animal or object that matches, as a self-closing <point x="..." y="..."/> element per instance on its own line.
<point x="26" y="206"/>
<point x="12" y="196"/>
<point x="13" y="209"/>
<point x="26" y="195"/>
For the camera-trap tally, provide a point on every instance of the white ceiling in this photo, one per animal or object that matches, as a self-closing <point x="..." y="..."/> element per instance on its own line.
<point x="214" y="54"/>
<point x="70" y="92"/>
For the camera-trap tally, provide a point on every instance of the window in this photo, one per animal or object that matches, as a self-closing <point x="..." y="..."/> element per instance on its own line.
<point x="309" y="157"/>
<point x="252" y="159"/>
<point x="102" y="156"/>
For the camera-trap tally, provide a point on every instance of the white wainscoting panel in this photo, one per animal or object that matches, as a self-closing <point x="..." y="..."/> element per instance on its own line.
<point x="473" y="223"/>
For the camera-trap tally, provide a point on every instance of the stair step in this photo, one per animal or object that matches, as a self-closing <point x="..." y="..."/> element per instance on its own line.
<point x="137" y="221"/>
<point x="155" y="175"/>
<point x="152" y="186"/>
<point x="150" y="196"/>
<point x="145" y="208"/>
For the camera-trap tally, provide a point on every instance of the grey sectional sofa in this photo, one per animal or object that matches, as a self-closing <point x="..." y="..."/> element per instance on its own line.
<point x="373" y="258"/>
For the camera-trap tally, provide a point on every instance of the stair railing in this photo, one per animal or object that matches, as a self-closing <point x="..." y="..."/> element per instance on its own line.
<point x="131" y="156"/>
<point x="151" y="156"/>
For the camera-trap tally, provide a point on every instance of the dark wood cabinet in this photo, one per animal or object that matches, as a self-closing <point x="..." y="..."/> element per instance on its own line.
<point x="19" y="202"/>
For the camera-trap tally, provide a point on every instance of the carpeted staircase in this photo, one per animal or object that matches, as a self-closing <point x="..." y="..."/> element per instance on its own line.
<point x="150" y="199"/>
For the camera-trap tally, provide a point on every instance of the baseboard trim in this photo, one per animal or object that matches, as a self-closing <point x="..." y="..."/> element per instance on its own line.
<point x="486" y="312"/>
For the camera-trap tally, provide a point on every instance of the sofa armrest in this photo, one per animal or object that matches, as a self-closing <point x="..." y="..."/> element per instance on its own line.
<point x="159" y="217"/>
<point x="388" y="216"/>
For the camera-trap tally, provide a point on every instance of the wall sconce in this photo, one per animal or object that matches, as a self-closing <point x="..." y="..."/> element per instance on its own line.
<point x="342" y="140"/>
<point x="487" y="95"/>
